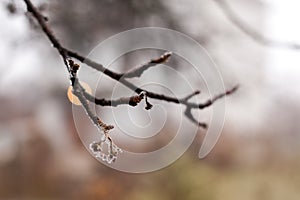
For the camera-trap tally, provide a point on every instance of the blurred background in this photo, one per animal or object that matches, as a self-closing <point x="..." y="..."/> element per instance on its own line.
<point x="257" y="155"/>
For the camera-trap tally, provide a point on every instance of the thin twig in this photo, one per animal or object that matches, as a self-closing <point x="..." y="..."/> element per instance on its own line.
<point x="191" y="95"/>
<point x="217" y="97"/>
<point x="188" y="114"/>
<point x="137" y="72"/>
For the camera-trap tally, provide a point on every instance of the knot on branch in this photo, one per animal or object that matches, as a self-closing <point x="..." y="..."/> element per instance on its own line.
<point x="135" y="100"/>
<point x="73" y="66"/>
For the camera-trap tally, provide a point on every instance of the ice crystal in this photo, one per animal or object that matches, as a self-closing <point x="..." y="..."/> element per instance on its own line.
<point x="109" y="155"/>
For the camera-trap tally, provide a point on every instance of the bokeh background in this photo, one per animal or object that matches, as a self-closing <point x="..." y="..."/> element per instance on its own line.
<point x="257" y="155"/>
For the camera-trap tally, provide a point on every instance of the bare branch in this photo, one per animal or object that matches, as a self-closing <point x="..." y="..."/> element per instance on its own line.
<point x="116" y="76"/>
<point x="250" y="32"/>
<point x="219" y="96"/>
<point x="137" y="72"/>
<point x="85" y="98"/>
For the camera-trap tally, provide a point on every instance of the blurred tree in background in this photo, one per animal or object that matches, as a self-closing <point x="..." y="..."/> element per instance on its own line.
<point x="82" y="24"/>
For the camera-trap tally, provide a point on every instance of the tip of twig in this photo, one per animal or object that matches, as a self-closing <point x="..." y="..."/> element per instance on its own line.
<point x="197" y="92"/>
<point x="191" y="95"/>
<point x="168" y="54"/>
<point x="203" y="125"/>
<point x="232" y="90"/>
<point x="163" y="58"/>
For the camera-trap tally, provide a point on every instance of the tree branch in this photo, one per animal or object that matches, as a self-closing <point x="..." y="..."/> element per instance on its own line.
<point x="118" y="77"/>
<point x="85" y="98"/>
